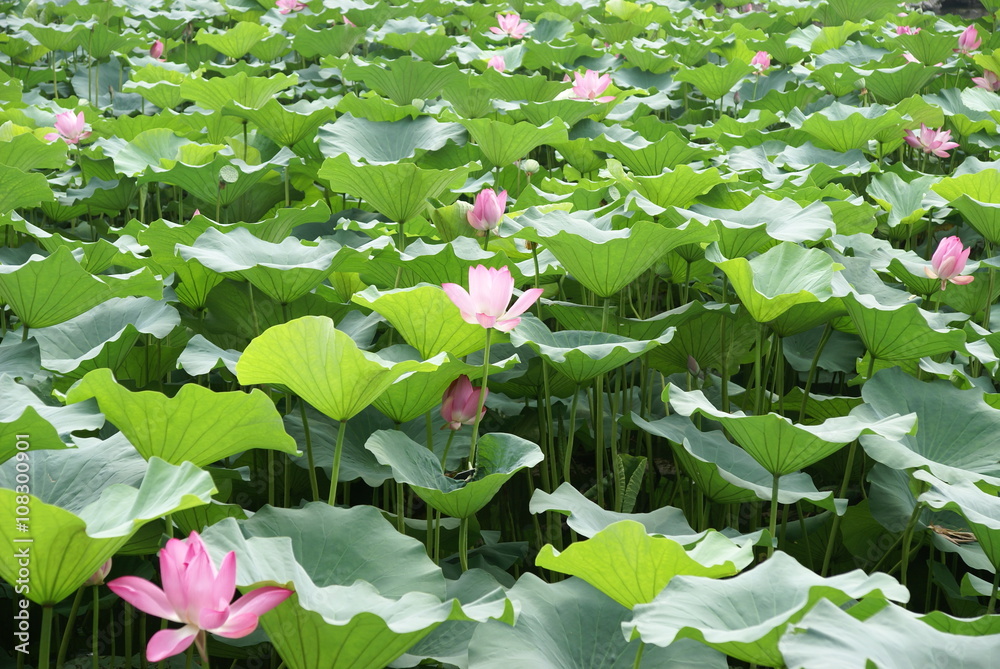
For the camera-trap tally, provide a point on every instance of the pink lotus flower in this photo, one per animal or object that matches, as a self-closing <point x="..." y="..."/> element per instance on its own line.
<point x="288" y="6"/>
<point x="948" y="263"/>
<point x="69" y="128"/>
<point x="511" y="25"/>
<point x="459" y="403"/>
<point x="497" y="63"/>
<point x="589" y="86"/>
<point x="489" y="293"/>
<point x="761" y="61"/>
<point x="195" y="594"/>
<point x="156" y="50"/>
<point x="487" y="213"/>
<point x="348" y="22"/>
<point x="990" y="81"/>
<point x="100" y="574"/>
<point x="929" y="140"/>
<point x="907" y="30"/>
<point x="968" y="40"/>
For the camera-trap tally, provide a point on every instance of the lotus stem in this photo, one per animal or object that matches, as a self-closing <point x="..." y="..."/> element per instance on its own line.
<point x="773" y="527"/>
<point x="338" y="451"/>
<point x="463" y="543"/>
<point x="907" y="539"/>
<point x="638" y="655"/>
<point x="991" y="607"/>
<point x="96" y="626"/>
<point x="313" y="481"/>
<point x="836" y="519"/>
<point x="64" y="645"/>
<point x="474" y="448"/>
<point x="128" y="635"/>
<point x="447" y="447"/>
<point x="810" y="377"/>
<point x="568" y="453"/>
<point x="400" y="508"/>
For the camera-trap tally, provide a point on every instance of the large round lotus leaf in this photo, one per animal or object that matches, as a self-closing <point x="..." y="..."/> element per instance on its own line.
<point x="643" y="563"/>
<point x="715" y="80"/>
<point x="23" y="412"/>
<point x="671" y="188"/>
<point x="196" y="425"/>
<point x="568" y="625"/>
<point x="404" y="79"/>
<point x="781" y="446"/>
<point x="48" y="291"/>
<point x="582" y="354"/>
<point x="357" y="603"/>
<point x="504" y="143"/>
<point x="726" y="473"/>
<point x="85" y="504"/>
<point x="320" y="364"/>
<point x="500" y="456"/>
<point x="781" y="278"/>
<point x="426" y="318"/>
<point x="285" y="125"/>
<point x="103" y="336"/>
<point x="980" y="509"/>
<point x="894" y="332"/>
<point x="830" y="638"/>
<point x="587" y="519"/>
<point x="202" y="179"/>
<point x="381" y="143"/>
<point x="22" y="189"/>
<point x="956" y="435"/>
<point x="842" y="127"/>
<point x="746" y="616"/>
<point x="218" y="92"/>
<point x="445" y="263"/>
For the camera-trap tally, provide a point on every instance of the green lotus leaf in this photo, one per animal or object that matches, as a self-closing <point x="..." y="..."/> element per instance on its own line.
<point x="426" y="318"/>
<point x="285" y="125"/>
<point x="746" y="616"/>
<point x="781" y="446"/>
<point x="588" y="633"/>
<point x="196" y="425"/>
<point x="103" y="336"/>
<point x="781" y="278"/>
<point x="201" y="356"/>
<point x="202" y="179"/>
<point x="702" y="338"/>
<point x="404" y="79"/>
<point x="982" y="626"/>
<point x="55" y="289"/>
<point x="381" y="143"/>
<point x="85" y="504"/>
<point x="48" y="426"/>
<point x="329" y="40"/>
<point x="582" y="354"/>
<point x="715" y="80"/>
<point x="27" y="152"/>
<point x="894" y="84"/>
<point x="650" y="158"/>
<point x="320" y="364"/>
<point x="672" y="188"/>
<point x="503" y="143"/>
<point x="904" y="201"/>
<point x="587" y="519"/>
<point x="445" y="263"/>
<point x="356" y="603"/>
<point x="644" y="564"/>
<point x="979" y="508"/>
<point x="574" y="316"/>
<point x="726" y="473"/>
<point x="399" y="190"/>
<point x="251" y="92"/>
<point x="894" y="332"/>
<point x="56" y="37"/>
<point x="569" y="111"/>
<point x="842" y="128"/>
<point x="155" y="148"/>
<point x="19" y="189"/>
<point x="235" y="42"/>
<point x="160" y="86"/>
<point x="500" y="457"/>
<point x="829" y="637"/>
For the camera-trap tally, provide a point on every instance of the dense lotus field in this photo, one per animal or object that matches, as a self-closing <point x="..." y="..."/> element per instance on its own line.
<point x="650" y="334"/>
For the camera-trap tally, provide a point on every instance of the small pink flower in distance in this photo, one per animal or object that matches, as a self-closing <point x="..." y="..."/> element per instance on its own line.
<point x="589" y="86"/>
<point x="968" y="40"/>
<point x="497" y="63"/>
<point x="156" y="50"/>
<point x="288" y="6"/>
<point x="70" y="128"/>
<point x="761" y="61"/>
<point x="907" y="30"/>
<point x="487" y="212"/>
<point x="459" y="403"/>
<point x="948" y="263"/>
<point x="747" y="8"/>
<point x="511" y="25"/>
<point x="99" y="575"/>
<point x="486" y="301"/>
<point x="990" y="81"/>
<point x="198" y="595"/>
<point x="930" y="140"/>
<point x="348" y="22"/>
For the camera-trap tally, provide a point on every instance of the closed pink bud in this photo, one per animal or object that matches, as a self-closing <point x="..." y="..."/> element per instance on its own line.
<point x="761" y="61"/>
<point x="460" y="402"/>
<point x="156" y="50"/>
<point x="969" y="40"/>
<point x="497" y="63"/>
<point x="100" y="574"/>
<point x="948" y="263"/>
<point x="488" y="211"/>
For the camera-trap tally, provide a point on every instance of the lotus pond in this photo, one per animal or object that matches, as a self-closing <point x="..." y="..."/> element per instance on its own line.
<point x="570" y="334"/>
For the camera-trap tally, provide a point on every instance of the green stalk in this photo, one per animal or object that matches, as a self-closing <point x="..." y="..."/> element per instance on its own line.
<point x="95" y="627"/>
<point x="907" y="539"/>
<point x="338" y="451"/>
<point x="313" y="481"/>
<point x="836" y="519"/>
<point x="991" y="607"/>
<point x="773" y="527"/>
<point x="638" y="655"/>
<point x="447" y="447"/>
<point x="128" y="635"/>
<point x="400" y="508"/>
<point x="827" y="331"/>
<point x="463" y="543"/>
<point x="474" y="448"/>
<point x="568" y="453"/>
<point x="757" y="365"/>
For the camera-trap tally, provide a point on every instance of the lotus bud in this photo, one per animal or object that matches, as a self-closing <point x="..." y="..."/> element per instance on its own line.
<point x="692" y="365"/>
<point x="418" y="103"/>
<point x="530" y="166"/>
<point x="100" y="574"/>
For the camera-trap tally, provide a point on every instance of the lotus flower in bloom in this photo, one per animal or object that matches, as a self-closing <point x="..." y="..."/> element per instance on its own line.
<point x="589" y="86"/>
<point x="496" y="62"/>
<point x="288" y="6"/>
<point x="990" y="81"/>
<point x="196" y="594"/>
<point x="968" y="40"/>
<point x="761" y="61"/>
<point x="488" y="210"/>
<point x="929" y="140"/>
<point x="69" y="128"/>
<point x="100" y="574"/>
<point x="156" y="50"/>
<point x="948" y="263"/>
<point x="907" y="30"/>
<point x="489" y="293"/>
<point x="459" y="403"/>
<point x="511" y="25"/>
